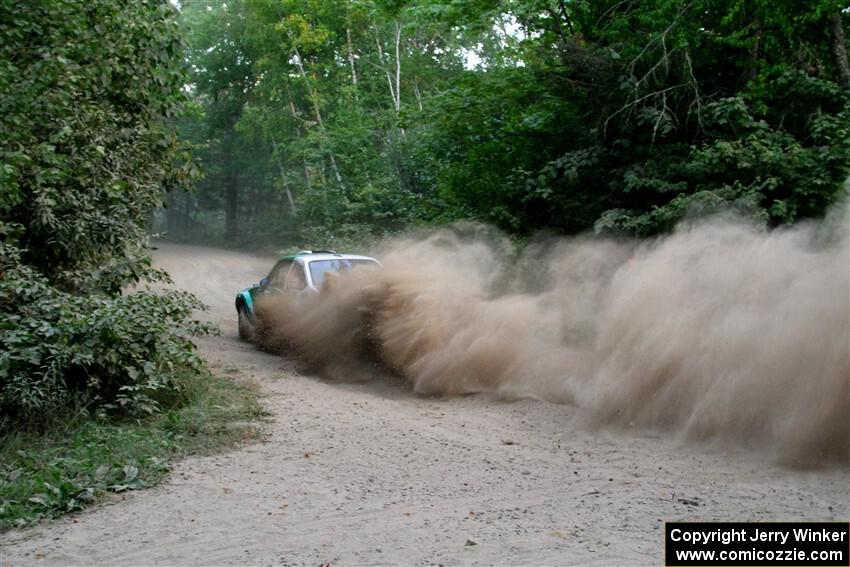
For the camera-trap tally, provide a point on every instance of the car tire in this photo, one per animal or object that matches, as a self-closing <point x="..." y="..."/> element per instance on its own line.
<point x="246" y="325"/>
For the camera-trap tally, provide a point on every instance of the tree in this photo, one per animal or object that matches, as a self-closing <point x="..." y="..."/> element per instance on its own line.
<point x="87" y="90"/>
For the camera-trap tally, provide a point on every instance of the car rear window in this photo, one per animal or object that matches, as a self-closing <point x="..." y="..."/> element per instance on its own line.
<point x="318" y="268"/>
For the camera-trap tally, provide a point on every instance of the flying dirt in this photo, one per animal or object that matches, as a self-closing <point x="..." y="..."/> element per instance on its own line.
<point x="722" y="332"/>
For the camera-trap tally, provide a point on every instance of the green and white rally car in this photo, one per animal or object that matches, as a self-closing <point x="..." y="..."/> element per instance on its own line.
<point x="303" y="272"/>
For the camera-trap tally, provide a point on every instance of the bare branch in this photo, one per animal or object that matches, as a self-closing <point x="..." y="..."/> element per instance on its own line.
<point x="632" y="104"/>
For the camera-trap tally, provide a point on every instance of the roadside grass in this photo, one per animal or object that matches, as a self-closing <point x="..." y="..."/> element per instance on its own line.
<point x="71" y="461"/>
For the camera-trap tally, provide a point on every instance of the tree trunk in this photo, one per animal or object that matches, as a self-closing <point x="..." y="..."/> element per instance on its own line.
<point x="283" y="180"/>
<point x="231" y="197"/>
<point x="187" y="217"/>
<point x="398" y="72"/>
<point x="336" y="170"/>
<point x="381" y="58"/>
<point x="350" y="46"/>
<point x="397" y="67"/>
<point x="755" y="53"/>
<point x="311" y="92"/>
<point x="314" y="96"/>
<point x="307" y="177"/>
<point x="290" y="199"/>
<point x="417" y="93"/>
<point x="172" y="214"/>
<point x="839" y="49"/>
<point x="351" y="58"/>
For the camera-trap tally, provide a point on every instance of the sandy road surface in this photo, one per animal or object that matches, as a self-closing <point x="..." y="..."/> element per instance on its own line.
<point x="370" y="474"/>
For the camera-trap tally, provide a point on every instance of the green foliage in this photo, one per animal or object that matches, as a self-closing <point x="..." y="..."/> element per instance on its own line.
<point x="85" y="90"/>
<point x="73" y="461"/>
<point x="361" y="117"/>
<point x="628" y="117"/>
<point x="111" y="353"/>
<point x="312" y="148"/>
<point x="99" y="385"/>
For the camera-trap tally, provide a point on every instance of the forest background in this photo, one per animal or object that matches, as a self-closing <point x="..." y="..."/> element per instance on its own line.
<point x="320" y="123"/>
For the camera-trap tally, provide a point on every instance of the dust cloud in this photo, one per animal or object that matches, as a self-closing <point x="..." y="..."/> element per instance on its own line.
<point x="721" y="331"/>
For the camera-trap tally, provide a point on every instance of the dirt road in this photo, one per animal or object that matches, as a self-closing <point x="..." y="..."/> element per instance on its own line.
<point x="371" y="474"/>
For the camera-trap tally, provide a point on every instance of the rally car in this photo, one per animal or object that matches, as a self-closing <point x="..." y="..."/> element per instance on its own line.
<point x="303" y="272"/>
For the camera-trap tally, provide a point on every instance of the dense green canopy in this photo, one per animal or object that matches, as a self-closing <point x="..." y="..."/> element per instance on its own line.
<point x="318" y="121"/>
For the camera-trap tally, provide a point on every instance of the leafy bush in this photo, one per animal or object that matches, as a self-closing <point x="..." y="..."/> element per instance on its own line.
<point x="88" y="89"/>
<point x="89" y="92"/>
<point x="112" y="353"/>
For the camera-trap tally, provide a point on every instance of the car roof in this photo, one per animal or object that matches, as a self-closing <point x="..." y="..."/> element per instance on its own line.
<point x="314" y="257"/>
<point x="311" y="256"/>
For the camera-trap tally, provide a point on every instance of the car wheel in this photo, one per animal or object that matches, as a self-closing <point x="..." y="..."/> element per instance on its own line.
<point x="246" y="325"/>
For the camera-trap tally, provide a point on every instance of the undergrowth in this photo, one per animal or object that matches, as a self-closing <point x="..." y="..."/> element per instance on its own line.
<point x="70" y="461"/>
